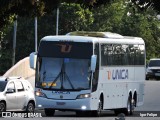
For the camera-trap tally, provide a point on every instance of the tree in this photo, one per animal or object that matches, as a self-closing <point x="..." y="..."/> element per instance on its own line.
<point x="41" y="7"/>
<point x="36" y="7"/>
<point x="29" y="9"/>
<point x="5" y="51"/>
<point x="72" y="17"/>
<point x="145" y="4"/>
<point x="119" y="16"/>
<point x="143" y="24"/>
<point x="125" y="18"/>
<point x="108" y="17"/>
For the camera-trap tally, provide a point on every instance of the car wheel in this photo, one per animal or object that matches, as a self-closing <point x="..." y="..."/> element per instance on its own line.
<point x="49" y="112"/>
<point x="2" y="107"/>
<point x="30" y="108"/>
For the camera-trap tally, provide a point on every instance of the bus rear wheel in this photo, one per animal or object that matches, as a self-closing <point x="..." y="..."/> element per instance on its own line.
<point x="49" y="112"/>
<point x="130" y="106"/>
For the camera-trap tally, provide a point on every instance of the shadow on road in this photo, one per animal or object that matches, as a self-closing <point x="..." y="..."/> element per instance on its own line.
<point x="104" y="114"/>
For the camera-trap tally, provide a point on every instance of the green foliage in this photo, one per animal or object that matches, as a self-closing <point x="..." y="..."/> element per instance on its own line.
<point x="119" y="16"/>
<point x="125" y="18"/>
<point x="31" y="8"/>
<point x="72" y="17"/>
<point x="145" y="25"/>
<point x="5" y="50"/>
<point x="25" y="38"/>
<point x="143" y="5"/>
<point x="108" y="17"/>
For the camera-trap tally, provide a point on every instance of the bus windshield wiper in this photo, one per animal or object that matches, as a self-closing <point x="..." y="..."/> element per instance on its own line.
<point x="55" y="80"/>
<point x="63" y="76"/>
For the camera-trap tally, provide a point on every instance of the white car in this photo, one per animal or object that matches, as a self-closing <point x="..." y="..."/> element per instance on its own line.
<point x="153" y="69"/>
<point x="16" y="94"/>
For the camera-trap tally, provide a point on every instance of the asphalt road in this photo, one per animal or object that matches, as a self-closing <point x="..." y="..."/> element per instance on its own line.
<point x="150" y="108"/>
<point x="152" y="97"/>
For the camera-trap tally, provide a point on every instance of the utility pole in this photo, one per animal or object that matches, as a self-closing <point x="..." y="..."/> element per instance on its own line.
<point x="35" y="34"/>
<point x="14" y="41"/>
<point x="57" y="21"/>
<point x="35" y="24"/>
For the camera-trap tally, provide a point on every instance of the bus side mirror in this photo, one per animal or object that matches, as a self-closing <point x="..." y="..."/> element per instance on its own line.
<point x="93" y="62"/>
<point x="32" y="60"/>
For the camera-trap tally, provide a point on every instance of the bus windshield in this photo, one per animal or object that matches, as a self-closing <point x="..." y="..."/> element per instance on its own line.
<point x="64" y="65"/>
<point x="64" y="74"/>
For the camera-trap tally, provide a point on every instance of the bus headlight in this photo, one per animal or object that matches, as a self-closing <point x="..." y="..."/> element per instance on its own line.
<point x="40" y="94"/>
<point x="88" y="95"/>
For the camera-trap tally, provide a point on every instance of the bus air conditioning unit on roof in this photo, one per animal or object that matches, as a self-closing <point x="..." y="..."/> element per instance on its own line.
<point x="96" y="34"/>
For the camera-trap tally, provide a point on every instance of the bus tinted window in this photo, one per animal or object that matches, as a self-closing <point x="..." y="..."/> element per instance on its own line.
<point x="118" y="54"/>
<point x="62" y="49"/>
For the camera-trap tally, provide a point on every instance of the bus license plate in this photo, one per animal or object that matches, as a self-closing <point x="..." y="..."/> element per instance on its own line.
<point x="60" y="103"/>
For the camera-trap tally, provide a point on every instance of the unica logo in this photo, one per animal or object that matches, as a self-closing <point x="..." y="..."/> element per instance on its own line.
<point x="65" y="48"/>
<point x="118" y="74"/>
<point x="109" y="75"/>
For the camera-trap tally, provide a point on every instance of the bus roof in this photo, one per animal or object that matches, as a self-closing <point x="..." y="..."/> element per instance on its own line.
<point x="96" y="34"/>
<point x="95" y="39"/>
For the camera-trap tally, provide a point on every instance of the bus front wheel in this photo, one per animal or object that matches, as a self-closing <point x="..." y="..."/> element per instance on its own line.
<point x="98" y="112"/>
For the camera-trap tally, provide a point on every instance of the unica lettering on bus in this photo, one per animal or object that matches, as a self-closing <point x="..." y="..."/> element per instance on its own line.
<point x="118" y="74"/>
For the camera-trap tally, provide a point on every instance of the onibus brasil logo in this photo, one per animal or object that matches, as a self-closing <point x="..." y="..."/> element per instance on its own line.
<point x="20" y="115"/>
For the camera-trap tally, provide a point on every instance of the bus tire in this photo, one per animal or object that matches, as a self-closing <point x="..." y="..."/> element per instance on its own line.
<point x="98" y="112"/>
<point x="130" y="107"/>
<point x="49" y="112"/>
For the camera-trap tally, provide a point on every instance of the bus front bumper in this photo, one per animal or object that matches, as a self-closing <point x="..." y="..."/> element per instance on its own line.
<point x="76" y="104"/>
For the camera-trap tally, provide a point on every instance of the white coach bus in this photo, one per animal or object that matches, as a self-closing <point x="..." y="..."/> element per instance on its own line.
<point x="88" y="72"/>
